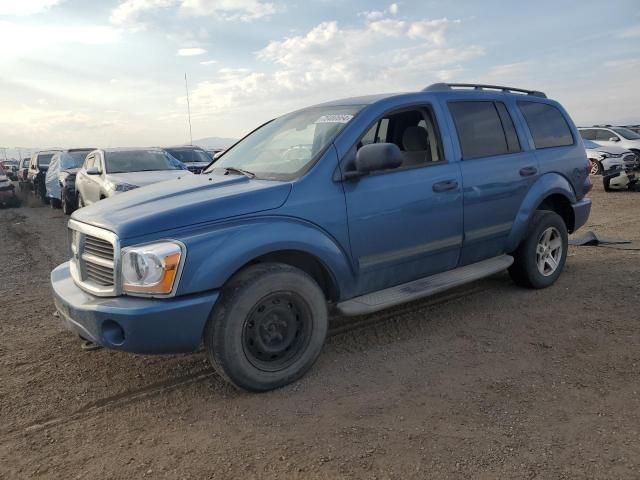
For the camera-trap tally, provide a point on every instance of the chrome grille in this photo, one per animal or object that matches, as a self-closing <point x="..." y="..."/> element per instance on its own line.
<point x="98" y="247"/>
<point x="95" y="258"/>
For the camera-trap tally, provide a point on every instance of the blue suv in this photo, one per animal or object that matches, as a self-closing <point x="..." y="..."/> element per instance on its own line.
<point x="351" y="206"/>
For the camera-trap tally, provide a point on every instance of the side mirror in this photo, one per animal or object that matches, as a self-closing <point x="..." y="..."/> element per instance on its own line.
<point x="614" y="139"/>
<point x="374" y="157"/>
<point x="93" y="171"/>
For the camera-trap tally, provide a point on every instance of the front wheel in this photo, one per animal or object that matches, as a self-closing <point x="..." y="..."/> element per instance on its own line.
<point x="268" y="327"/>
<point x="596" y="168"/>
<point x="540" y="258"/>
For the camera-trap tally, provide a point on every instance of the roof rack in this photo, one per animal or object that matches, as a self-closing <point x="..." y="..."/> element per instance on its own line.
<point x="439" y="87"/>
<point x="603" y="126"/>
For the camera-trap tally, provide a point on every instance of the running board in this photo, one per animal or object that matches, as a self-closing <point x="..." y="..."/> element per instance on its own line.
<point x="423" y="287"/>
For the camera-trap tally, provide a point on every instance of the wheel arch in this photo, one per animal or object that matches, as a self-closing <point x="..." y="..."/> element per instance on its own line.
<point x="282" y="240"/>
<point x="552" y="192"/>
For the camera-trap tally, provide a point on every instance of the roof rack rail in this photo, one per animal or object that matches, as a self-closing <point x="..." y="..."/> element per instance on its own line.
<point x="603" y="126"/>
<point x="439" y="87"/>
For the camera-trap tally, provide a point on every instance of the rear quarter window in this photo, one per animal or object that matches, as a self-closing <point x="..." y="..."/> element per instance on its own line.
<point x="547" y="125"/>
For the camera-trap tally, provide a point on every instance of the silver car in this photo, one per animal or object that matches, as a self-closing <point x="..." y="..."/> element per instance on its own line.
<point x="110" y="171"/>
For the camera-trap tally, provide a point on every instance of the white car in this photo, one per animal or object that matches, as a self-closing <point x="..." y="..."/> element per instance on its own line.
<point x="604" y="158"/>
<point x="609" y="136"/>
<point x="110" y="171"/>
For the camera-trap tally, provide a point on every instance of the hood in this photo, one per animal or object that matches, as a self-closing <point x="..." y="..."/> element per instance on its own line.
<point x="141" y="179"/>
<point x="611" y="149"/>
<point x="186" y="201"/>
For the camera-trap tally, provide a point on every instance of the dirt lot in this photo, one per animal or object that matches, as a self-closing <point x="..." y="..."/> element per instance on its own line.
<point x="489" y="381"/>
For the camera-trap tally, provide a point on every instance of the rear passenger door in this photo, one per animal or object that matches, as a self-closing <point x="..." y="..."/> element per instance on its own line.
<point x="497" y="173"/>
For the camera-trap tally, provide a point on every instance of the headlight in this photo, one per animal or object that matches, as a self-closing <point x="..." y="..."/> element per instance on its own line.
<point x="121" y="187"/>
<point x="152" y="268"/>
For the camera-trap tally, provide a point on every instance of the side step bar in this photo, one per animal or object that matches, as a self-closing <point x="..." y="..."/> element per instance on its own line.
<point x="423" y="287"/>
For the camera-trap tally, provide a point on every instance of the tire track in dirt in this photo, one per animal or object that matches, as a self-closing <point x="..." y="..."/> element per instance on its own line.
<point x="341" y="337"/>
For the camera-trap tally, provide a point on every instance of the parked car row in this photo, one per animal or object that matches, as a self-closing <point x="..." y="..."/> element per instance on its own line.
<point x="614" y="153"/>
<point x="72" y="178"/>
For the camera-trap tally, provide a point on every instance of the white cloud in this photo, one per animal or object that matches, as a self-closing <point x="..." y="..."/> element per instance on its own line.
<point x="372" y="15"/>
<point x="330" y="62"/>
<point x="25" y="7"/>
<point x="191" y="52"/>
<point x="130" y="12"/>
<point x="133" y="13"/>
<point x="631" y="32"/>
<point x="35" y="37"/>
<point x="243" y="10"/>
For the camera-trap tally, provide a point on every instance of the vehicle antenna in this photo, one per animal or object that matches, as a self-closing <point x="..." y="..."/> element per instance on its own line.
<point x="186" y="87"/>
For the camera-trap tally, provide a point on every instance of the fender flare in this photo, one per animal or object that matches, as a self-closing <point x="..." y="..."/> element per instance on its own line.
<point x="547" y="185"/>
<point x="213" y="256"/>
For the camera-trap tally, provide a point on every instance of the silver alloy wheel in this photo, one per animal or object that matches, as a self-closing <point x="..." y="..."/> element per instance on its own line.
<point x="595" y="167"/>
<point x="549" y="251"/>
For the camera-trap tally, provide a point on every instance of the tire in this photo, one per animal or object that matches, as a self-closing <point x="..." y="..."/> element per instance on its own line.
<point x="268" y="327"/>
<point x="67" y="208"/>
<point x="55" y="203"/>
<point x="607" y="184"/>
<point x="596" y="167"/>
<point x="532" y="252"/>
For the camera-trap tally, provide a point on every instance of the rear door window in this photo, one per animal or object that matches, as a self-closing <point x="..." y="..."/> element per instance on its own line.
<point x="480" y="129"/>
<point x="547" y="125"/>
<point x="603" y="135"/>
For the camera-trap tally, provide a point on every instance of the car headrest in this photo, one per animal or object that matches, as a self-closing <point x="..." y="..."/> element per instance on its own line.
<point x="415" y="139"/>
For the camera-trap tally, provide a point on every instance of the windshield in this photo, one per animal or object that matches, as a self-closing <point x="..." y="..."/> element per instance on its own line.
<point x="139" y="161"/>
<point x="626" y="133"/>
<point x="44" y="159"/>
<point x="285" y="147"/>
<point x="74" y="159"/>
<point x="187" y="155"/>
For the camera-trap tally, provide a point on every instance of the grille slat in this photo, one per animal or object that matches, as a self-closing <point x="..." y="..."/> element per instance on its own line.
<point x="99" y="277"/>
<point x="98" y="247"/>
<point x="95" y="272"/>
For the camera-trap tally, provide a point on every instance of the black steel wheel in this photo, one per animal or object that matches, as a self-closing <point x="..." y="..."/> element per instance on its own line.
<point x="276" y="331"/>
<point x="268" y="327"/>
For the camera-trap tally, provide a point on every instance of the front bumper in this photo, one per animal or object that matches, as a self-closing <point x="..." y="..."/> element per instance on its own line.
<point x="581" y="212"/>
<point x="132" y="324"/>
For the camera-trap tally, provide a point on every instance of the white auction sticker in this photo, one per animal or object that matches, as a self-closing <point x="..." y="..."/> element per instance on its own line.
<point x="334" y="118"/>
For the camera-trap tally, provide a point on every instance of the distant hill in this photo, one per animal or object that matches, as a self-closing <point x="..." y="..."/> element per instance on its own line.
<point x="215" y="142"/>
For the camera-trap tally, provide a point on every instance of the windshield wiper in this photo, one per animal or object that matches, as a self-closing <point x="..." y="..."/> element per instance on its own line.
<point x="246" y="173"/>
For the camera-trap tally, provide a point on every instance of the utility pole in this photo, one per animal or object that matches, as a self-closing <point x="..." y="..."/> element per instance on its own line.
<point x="186" y="87"/>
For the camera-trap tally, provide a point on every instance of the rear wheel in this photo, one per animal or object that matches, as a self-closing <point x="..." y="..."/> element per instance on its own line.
<point x="540" y="258"/>
<point x="268" y="327"/>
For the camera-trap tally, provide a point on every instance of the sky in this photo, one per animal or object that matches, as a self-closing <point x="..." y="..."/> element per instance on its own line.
<point x="112" y="72"/>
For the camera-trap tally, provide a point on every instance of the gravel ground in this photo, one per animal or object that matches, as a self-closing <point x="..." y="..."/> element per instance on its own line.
<point x="487" y="381"/>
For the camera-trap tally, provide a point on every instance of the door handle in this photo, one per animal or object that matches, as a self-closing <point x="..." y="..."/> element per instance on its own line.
<point x="528" y="171"/>
<point x="445" y="186"/>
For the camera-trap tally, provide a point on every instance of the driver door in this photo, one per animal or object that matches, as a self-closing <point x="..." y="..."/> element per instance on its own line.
<point x="405" y="223"/>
